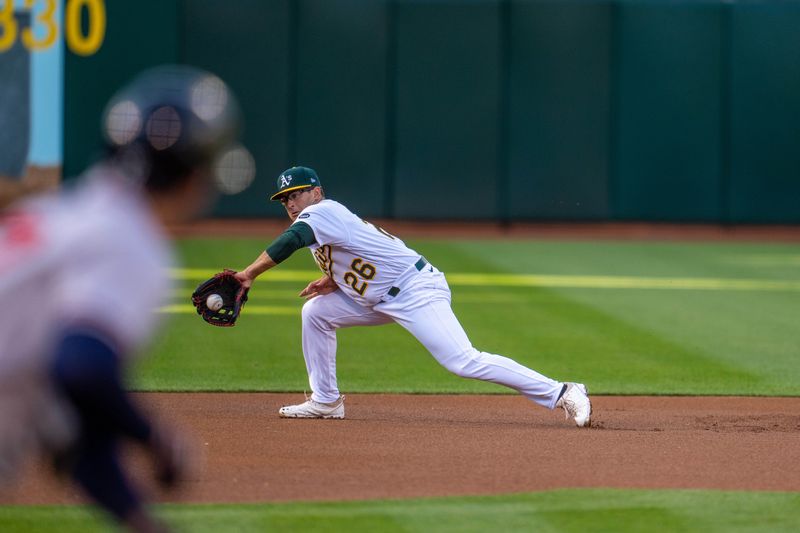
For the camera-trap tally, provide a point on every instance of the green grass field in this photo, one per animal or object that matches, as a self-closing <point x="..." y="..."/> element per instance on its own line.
<point x="559" y="511"/>
<point x="624" y="317"/>
<point x="652" y="318"/>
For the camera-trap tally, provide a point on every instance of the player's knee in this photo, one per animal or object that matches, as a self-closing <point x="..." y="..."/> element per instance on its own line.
<point x="313" y="313"/>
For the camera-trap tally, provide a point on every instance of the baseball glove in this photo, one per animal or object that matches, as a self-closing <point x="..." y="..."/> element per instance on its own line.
<point x="233" y="294"/>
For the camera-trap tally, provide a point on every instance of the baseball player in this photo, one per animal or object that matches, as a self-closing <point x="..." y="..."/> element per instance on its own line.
<point x="371" y="277"/>
<point x="81" y="275"/>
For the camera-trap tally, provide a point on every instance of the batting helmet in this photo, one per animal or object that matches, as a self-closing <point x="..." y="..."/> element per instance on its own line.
<point x="169" y="121"/>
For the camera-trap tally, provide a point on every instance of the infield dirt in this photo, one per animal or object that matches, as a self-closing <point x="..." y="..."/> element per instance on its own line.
<point x="405" y="446"/>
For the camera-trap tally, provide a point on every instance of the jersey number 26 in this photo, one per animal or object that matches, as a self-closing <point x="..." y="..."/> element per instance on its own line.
<point x="365" y="272"/>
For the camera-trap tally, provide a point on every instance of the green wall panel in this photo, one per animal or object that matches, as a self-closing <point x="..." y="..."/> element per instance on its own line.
<point x="138" y="35"/>
<point x="247" y="43"/>
<point x="559" y="83"/>
<point x="668" y="137"/>
<point x="447" y="109"/>
<point x="765" y="113"/>
<point x="341" y="98"/>
<point x="684" y="110"/>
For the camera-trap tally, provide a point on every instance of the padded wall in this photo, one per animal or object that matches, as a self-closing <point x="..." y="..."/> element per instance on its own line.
<point x="488" y="109"/>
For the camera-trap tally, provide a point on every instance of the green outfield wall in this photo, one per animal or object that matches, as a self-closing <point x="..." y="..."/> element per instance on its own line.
<point x="684" y="110"/>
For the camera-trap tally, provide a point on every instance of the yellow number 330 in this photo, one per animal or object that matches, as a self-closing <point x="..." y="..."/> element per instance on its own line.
<point x="78" y="42"/>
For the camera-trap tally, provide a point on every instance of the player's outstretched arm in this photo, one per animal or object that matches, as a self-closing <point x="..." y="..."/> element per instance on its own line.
<point x="298" y="235"/>
<point x="262" y="263"/>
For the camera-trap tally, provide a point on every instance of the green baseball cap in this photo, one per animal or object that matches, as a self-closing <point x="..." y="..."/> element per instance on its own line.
<point x="294" y="179"/>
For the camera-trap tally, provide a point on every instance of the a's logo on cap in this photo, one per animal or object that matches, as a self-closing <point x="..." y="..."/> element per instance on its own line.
<point x="285" y="181"/>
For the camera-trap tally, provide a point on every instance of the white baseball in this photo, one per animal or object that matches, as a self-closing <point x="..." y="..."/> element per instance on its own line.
<point x="214" y="302"/>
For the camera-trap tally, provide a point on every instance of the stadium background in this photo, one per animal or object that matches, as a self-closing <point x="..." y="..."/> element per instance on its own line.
<point x="512" y="109"/>
<point x="679" y="111"/>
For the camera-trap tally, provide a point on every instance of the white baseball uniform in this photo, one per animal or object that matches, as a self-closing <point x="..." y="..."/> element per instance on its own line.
<point x="93" y="257"/>
<point x="381" y="280"/>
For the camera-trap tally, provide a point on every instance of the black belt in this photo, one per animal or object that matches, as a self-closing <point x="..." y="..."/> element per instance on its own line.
<point x="419" y="265"/>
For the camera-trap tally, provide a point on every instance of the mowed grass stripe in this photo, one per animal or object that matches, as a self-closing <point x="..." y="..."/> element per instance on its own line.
<point x="619" y="282"/>
<point x="188" y="309"/>
<point x="557" y="511"/>
<point x="545" y="280"/>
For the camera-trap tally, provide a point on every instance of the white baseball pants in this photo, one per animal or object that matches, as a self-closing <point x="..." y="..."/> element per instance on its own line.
<point x="423" y="308"/>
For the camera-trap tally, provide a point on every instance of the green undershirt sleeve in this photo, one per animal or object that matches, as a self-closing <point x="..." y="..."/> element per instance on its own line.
<point x="296" y="236"/>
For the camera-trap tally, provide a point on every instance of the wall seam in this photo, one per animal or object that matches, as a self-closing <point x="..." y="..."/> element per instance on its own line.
<point x="726" y="66"/>
<point x="390" y="95"/>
